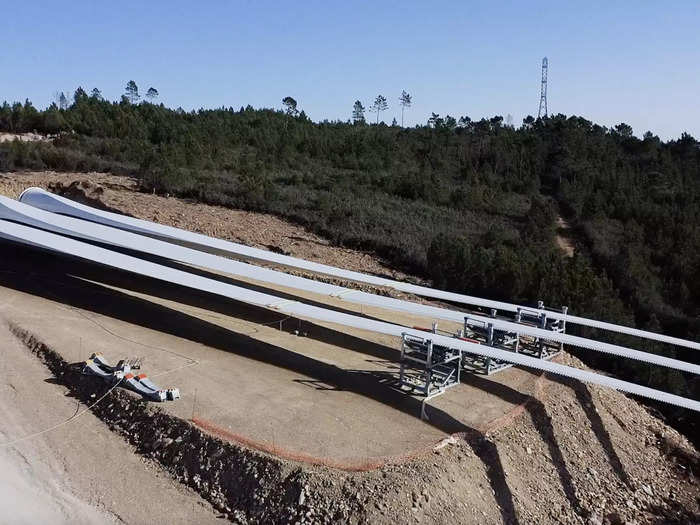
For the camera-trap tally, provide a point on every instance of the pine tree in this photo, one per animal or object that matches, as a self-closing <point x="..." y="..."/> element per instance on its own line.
<point x="152" y="94"/>
<point x="132" y="92"/>
<point x="380" y="104"/>
<point x="358" y="113"/>
<point x="290" y="106"/>
<point x="79" y="95"/>
<point x="405" y="100"/>
<point x="62" y="101"/>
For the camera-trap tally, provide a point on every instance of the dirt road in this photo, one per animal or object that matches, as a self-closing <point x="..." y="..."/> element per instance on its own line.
<point x="34" y="493"/>
<point x="562" y="237"/>
<point x="78" y="473"/>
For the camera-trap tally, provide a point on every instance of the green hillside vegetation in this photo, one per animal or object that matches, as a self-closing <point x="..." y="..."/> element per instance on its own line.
<point x="471" y="205"/>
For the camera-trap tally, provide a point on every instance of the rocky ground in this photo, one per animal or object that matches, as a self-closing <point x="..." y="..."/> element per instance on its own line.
<point x="577" y="454"/>
<point x="23" y="137"/>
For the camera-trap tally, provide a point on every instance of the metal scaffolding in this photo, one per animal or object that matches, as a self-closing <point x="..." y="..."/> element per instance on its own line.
<point x="428" y="368"/>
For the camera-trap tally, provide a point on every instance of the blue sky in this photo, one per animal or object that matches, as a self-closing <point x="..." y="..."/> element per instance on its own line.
<point x="636" y="62"/>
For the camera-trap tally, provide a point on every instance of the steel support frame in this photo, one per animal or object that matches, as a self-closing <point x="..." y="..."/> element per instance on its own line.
<point x="439" y="367"/>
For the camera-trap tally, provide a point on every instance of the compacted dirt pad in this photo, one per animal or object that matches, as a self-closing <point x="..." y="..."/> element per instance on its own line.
<point x="320" y="393"/>
<point x="324" y="395"/>
<point x="523" y="448"/>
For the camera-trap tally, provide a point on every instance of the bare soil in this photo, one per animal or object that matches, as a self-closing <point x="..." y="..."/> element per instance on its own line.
<point x="23" y="137"/>
<point x="253" y="229"/>
<point x="563" y="239"/>
<point x="567" y="453"/>
<point x="81" y="472"/>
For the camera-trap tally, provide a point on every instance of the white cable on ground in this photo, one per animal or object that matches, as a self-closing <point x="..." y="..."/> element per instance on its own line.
<point x="166" y="372"/>
<point x="78" y="414"/>
<point x="69" y="420"/>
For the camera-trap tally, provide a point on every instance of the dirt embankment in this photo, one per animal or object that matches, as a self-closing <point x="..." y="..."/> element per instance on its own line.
<point x="77" y="472"/>
<point x="578" y="454"/>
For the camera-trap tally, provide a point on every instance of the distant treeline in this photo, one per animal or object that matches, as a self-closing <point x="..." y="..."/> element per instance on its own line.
<point x="469" y="204"/>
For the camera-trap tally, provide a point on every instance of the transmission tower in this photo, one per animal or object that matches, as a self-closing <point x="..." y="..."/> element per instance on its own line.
<point x="543" y="93"/>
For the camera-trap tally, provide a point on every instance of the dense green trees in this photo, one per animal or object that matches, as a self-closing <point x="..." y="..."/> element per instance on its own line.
<point x="633" y="203"/>
<point x="471" y="204"/>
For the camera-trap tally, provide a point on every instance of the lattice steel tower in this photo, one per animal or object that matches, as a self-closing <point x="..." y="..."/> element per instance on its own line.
<point x="543" y="93"/>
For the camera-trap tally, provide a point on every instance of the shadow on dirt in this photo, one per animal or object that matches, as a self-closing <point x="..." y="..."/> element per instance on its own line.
<point x="63" y="279"/>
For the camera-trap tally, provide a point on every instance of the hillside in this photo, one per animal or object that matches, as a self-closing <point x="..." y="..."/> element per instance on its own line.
<point x="569" y="454"/>
<point x="469" y="205"/>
